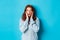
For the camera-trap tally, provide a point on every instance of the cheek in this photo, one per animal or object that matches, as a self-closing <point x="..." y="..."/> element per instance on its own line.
<point x="29" y="12"/>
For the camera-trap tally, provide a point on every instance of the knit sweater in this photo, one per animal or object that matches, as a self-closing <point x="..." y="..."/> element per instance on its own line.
<point x="29" y="32"/>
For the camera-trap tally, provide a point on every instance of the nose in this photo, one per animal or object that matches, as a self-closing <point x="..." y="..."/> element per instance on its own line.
<point x="28" y="12"/>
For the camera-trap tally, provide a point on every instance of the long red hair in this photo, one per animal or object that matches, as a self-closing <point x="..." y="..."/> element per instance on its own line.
<point x="24" y="14"/>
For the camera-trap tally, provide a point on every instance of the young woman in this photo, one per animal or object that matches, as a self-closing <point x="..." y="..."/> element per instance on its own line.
<point x="29" y="24"/>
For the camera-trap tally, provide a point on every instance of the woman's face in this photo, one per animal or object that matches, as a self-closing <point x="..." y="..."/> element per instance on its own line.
<point x="29" y="11"/>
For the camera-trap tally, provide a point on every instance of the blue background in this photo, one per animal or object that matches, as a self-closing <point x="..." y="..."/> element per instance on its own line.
<point x="48" y="11"/>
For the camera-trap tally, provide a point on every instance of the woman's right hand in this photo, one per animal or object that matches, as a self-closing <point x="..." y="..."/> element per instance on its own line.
<point x="26" y="15"/>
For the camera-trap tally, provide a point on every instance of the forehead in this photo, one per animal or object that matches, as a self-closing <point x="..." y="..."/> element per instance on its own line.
<point x="29" y="8"/>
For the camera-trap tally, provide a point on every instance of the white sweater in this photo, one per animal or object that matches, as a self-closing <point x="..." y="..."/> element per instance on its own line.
<point x="29" y="32"/>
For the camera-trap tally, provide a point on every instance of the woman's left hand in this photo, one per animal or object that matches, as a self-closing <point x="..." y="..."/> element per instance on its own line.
<point x="32" y="15"/>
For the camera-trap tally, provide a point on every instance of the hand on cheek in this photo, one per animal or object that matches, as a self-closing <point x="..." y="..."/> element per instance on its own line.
<point x="26" y="15"/>
<point x="32" y="15"/>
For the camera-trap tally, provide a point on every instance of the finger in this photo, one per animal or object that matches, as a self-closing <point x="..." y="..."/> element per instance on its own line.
<point x="32" y="15"/>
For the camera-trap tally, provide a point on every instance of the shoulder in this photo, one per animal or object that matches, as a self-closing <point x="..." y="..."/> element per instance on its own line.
<point x="20" y="20"/>
<point x="37" y="19"/>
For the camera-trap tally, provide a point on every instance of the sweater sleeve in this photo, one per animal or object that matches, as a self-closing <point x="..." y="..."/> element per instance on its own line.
<point x="23" y="25"/>
<point x="35" y="25"/>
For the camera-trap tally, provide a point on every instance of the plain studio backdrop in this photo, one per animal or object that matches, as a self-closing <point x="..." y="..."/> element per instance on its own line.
<point x="48" y="11"/>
